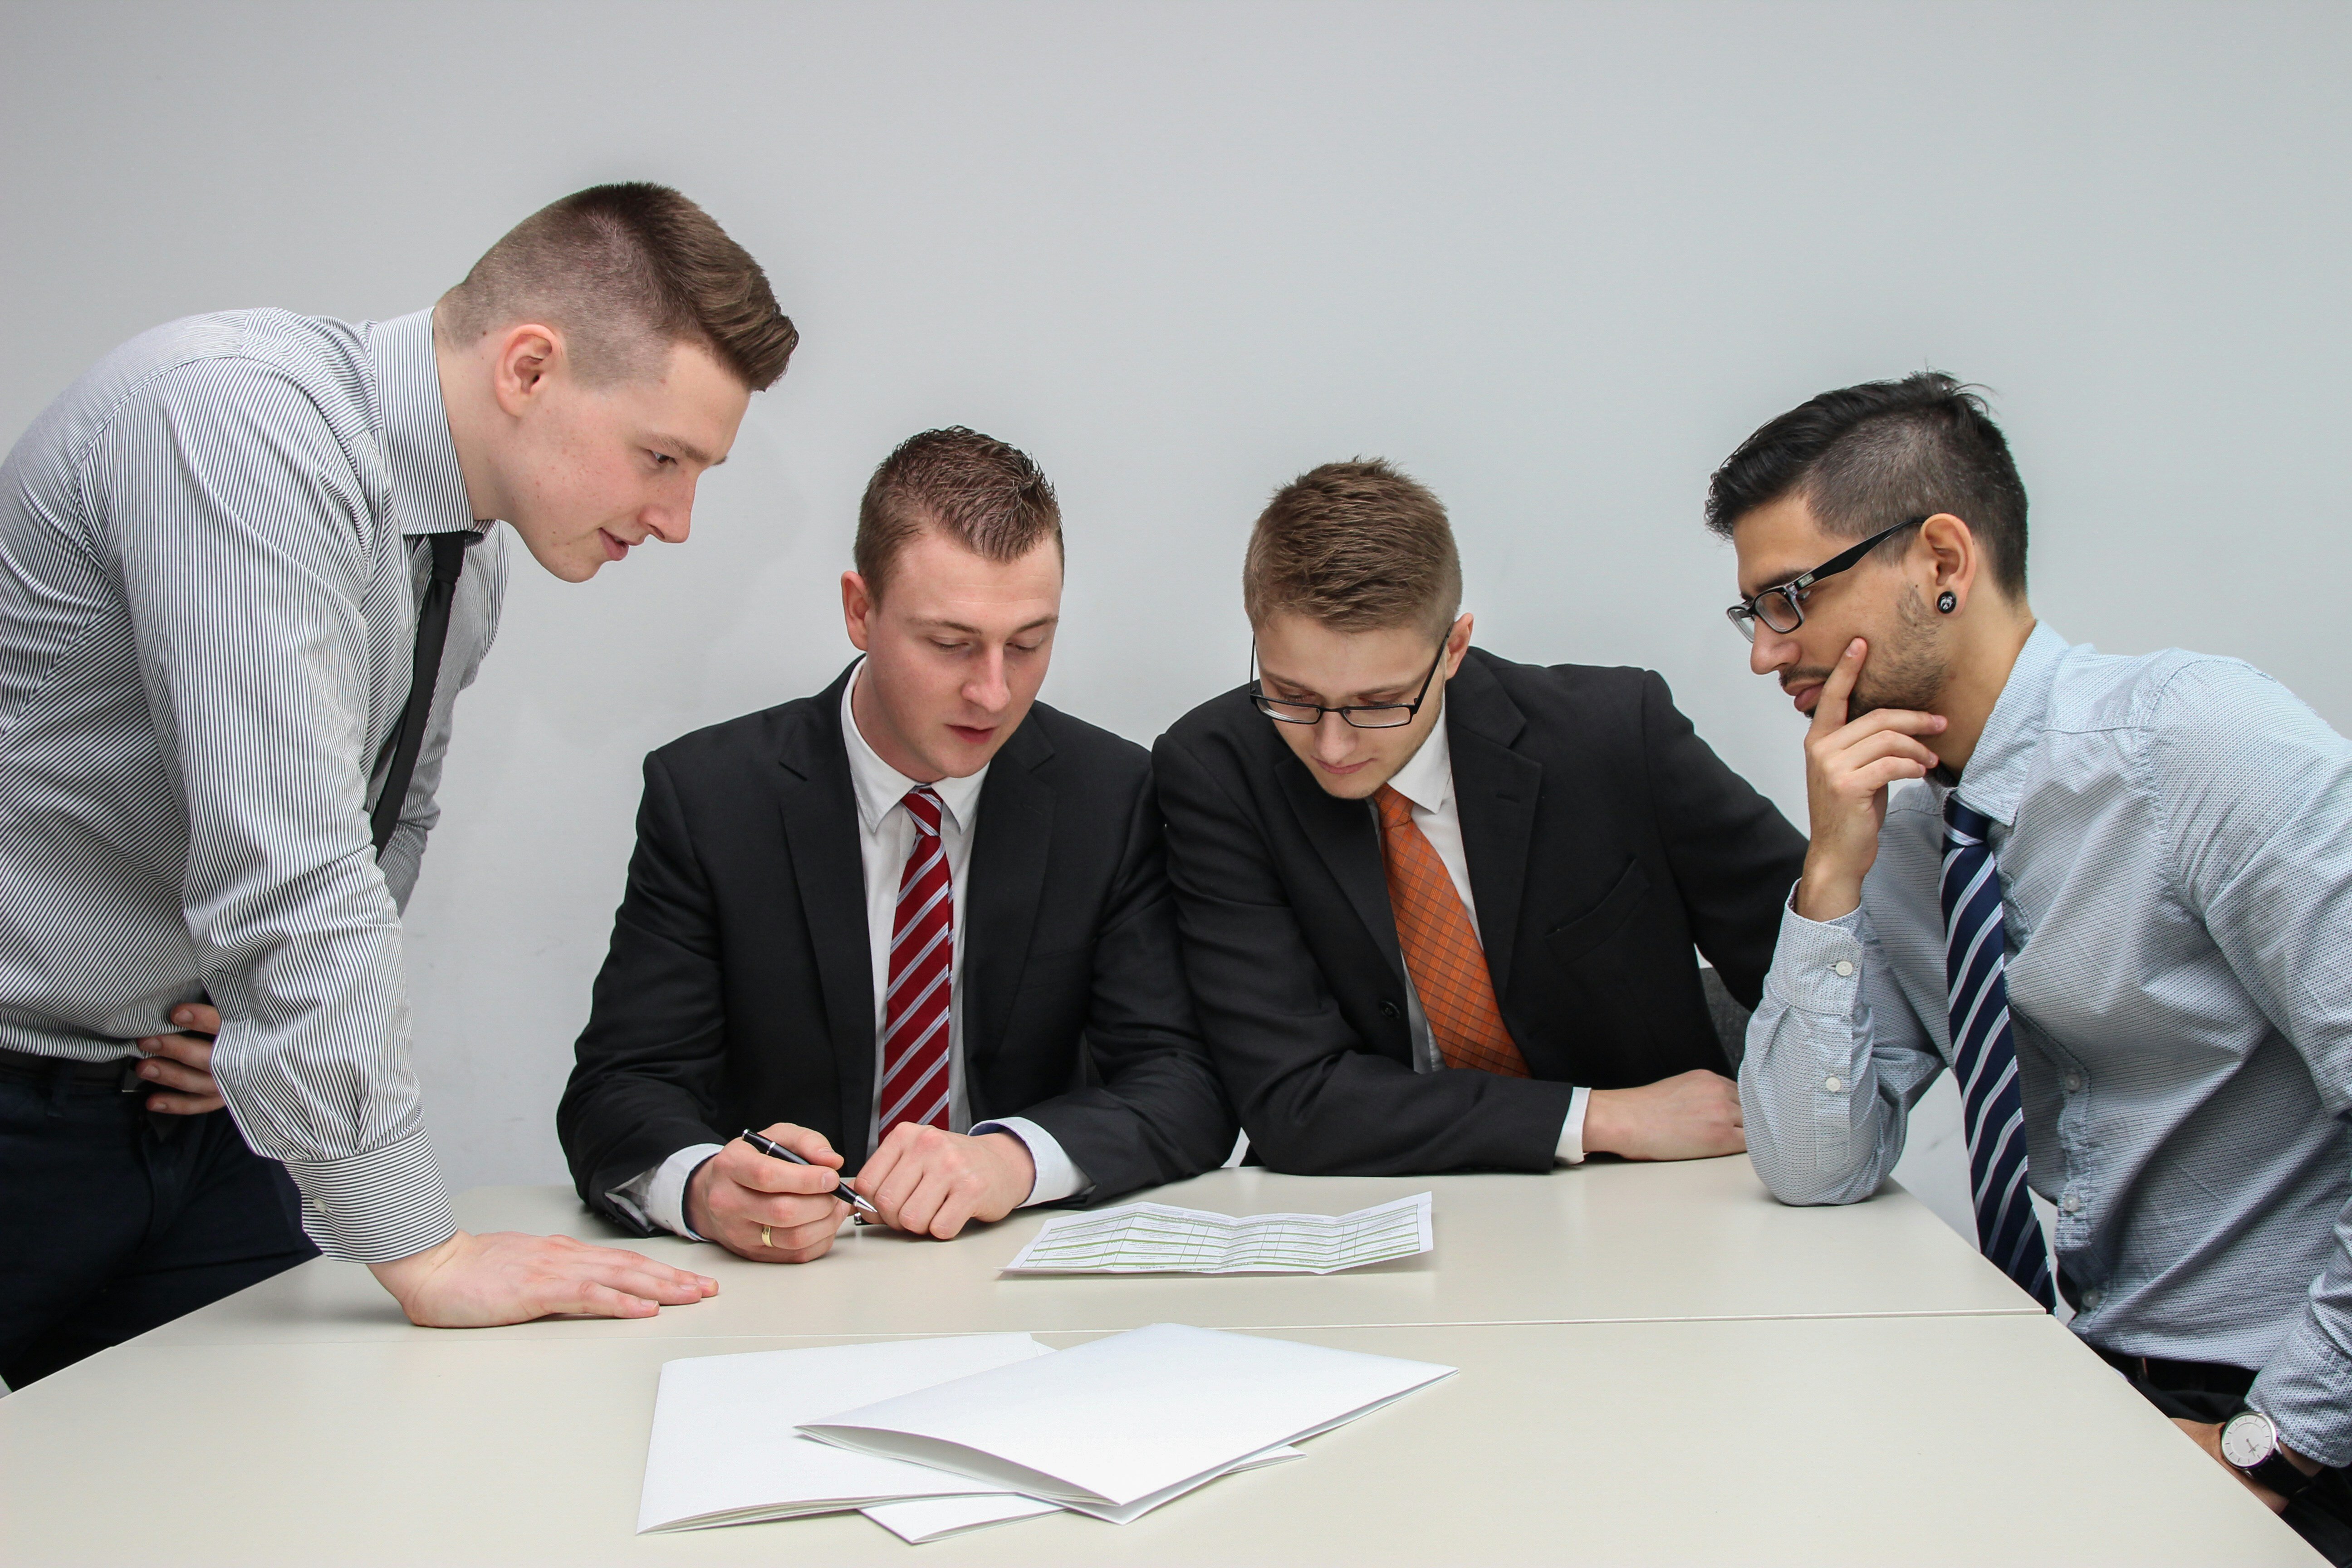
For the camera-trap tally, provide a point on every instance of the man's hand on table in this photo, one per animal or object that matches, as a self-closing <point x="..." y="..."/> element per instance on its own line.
<point x="181" y="1065"/>
<point x="1693" y="1115"/>
<point x="478" y="1281"/>
<point x="2207" y="1435"/>
<point x="931" y="1182"/>
<point x="766" y="1209"/>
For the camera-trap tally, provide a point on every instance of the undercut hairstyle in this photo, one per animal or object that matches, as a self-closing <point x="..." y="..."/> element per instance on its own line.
<point x="624" y="272"/>
<point x="986" y="496"/>
<point x="1355" y="546"/>
<point x="1867" y="457"/>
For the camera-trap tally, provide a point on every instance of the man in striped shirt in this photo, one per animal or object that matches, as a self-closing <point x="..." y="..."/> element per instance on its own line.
<point x="213" y="549"/>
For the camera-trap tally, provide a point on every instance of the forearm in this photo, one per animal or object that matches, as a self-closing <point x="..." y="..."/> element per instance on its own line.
<point x="1352" y="1113"/>
<point x="2306" y="1387"/>
<point x="1824" y="1122"/>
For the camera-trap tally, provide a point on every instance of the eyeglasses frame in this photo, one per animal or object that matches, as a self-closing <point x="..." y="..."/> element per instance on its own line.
<point x="1266" y="704"/>
<point x="1744" y="614"/>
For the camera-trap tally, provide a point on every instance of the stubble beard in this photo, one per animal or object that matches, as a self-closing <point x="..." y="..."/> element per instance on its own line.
<point x="1906" y="671"/>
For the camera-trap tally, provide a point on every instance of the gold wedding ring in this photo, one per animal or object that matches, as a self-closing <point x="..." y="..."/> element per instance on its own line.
<point x="765" y="1239"/>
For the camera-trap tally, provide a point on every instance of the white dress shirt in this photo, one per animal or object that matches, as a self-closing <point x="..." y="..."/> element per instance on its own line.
<point x="1426" y="781"/>
<point x="885" y="834"/>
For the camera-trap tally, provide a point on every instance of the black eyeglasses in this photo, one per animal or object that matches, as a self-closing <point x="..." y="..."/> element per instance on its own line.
<point x="1785" y="602"/>
<point x="1365" y="716"/>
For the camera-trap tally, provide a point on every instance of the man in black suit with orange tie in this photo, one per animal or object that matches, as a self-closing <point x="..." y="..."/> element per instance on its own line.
<point x="1438" y="909"/>
<point x="917" y="926"/>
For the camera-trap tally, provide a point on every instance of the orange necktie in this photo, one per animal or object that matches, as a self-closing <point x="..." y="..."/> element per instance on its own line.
<point x="1441" y="949"/>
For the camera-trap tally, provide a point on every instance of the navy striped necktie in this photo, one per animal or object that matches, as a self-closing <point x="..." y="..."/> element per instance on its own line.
<point x="1976" y="954"/>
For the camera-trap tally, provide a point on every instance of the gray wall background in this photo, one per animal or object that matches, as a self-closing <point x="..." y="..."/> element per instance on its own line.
<point x="1557" y="259"/>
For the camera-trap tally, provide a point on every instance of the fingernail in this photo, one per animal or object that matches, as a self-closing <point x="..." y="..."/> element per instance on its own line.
<point x="150" y="1070"/>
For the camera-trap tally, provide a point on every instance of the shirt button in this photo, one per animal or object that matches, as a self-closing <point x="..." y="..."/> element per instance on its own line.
<point x="2072" y="1203"/>
<point x="2091" y="1296"/>
<point x="1832" y="1084"/>
<point x="2073" y="1083"/>
<point x="1390" y="1010"/>
<point x="1844" y="968"/>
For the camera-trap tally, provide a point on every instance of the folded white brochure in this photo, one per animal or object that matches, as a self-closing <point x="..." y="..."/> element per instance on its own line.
<point x="724" y="1450"/>
<point x="1153" y="1239"/>
<point x="1119" y="1425"/>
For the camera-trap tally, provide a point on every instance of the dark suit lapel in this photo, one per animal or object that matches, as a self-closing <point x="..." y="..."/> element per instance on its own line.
<point x="820" y="812"/>
<point x="1007" y="877"/>
<point x="1341" y="833"/>
<point x="1495" y="790"/>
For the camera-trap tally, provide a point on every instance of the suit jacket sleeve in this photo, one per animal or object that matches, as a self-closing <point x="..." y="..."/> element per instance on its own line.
<point x="1314" y="1099"/>
<point x="1159" y="1113"/>
<point x="645" y="1082"/>
<point x="1734" y="855"/>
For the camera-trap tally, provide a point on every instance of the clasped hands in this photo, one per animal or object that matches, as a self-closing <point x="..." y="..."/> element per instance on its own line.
<point x="921" y="1180"/>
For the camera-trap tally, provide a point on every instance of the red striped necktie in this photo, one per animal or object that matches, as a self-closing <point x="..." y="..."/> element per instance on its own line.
<point x="914" y="1073"/>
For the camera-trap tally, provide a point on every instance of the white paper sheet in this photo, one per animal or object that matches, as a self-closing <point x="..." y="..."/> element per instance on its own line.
<point x="930" y="1519"/>
<point x="1134" y="1419"/>
<point x="1153" y="1239"/>
<point x="724" y="1450"/>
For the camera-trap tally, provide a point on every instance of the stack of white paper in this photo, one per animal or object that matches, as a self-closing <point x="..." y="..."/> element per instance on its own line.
<point x="724" y="1450"/>
<point x="1115" y="1427"/>
<point x="1153" y="1239"/>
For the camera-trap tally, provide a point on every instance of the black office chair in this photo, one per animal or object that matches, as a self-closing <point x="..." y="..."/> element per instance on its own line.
<point x="1730" y="1017"/>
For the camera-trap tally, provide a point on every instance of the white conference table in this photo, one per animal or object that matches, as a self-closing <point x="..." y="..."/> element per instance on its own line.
<point x="1602" y="1243"/>
<point x="1658" y="1365"/>
<point x="1966" y="1440"/>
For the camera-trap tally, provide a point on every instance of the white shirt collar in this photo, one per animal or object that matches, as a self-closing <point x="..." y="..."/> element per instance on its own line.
<point x="1427" y="778"/>
<point x="880" y="786"/>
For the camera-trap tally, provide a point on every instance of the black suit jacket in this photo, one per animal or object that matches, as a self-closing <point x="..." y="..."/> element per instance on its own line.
<point x="740" y="990"/>
<point x="1604" y="839"/>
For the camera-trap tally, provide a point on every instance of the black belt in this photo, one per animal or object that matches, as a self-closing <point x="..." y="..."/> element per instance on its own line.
<point x="2180" y="1376"/>
<point x="121" y="1074"/>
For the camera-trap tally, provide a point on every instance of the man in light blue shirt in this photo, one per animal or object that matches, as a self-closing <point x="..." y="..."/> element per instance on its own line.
<point x="2114" y="895"/>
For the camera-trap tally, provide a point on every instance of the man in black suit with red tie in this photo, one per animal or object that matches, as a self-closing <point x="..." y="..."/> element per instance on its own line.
<point x="1439" y="909"/>
<point x="917" y="926"/>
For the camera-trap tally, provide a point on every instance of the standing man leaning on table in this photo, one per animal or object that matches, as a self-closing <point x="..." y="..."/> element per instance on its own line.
<point x="224" y="553"/>
<point x="2119" y="907"/>
<point x="1438" y="907"/>
<point x="918" y="922"/>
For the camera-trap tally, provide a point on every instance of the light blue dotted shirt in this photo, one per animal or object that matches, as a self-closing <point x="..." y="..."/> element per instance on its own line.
<point x="2174" y="835"/>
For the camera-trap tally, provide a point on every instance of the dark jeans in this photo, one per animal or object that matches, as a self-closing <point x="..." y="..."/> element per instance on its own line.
<point x="2205" y="1391"/>
<point x="116" y="1221"/>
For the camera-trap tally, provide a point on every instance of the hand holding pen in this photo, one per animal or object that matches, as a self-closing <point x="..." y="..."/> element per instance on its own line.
<point x="775" y="1150"/>
<point x="773" y="1198"/>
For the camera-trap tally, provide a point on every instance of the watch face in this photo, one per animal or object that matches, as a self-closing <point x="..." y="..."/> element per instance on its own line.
<point x="2248" y="1439"/>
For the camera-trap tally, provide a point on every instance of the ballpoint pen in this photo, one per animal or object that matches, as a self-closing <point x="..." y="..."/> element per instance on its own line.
<point x="775" y="1150"/>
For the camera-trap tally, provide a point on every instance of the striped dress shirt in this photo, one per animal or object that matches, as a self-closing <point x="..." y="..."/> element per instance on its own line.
<point x="2173" y="835"/>
<point x="211" y="555"/>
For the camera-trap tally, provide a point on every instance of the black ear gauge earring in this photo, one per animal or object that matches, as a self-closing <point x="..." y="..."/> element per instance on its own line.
<point x="1947" y="601"/>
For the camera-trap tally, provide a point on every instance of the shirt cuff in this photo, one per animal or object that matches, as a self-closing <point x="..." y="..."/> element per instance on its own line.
<point x="2303" y="1389"/>
<point x="1058" y="1176"/>
<point x="388" y="1204"/>
<point x="1817" y="964"/>
<point x="657" y="1197"/>
<point x="1571" y="1131"/>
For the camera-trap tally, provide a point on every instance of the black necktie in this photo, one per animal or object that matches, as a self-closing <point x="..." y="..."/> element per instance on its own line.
<point x="432" y="636"/>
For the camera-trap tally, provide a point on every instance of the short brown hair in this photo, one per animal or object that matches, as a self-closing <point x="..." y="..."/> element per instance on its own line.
<point x="625" y="271"/>
<point x="1357" y="546"/>
<point x="989" y="498"/>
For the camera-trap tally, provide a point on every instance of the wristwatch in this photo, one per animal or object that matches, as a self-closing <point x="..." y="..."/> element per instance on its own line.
<point x="2251" y="1443"/>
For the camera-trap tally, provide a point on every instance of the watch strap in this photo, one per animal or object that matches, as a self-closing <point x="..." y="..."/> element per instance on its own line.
<point x="2274" y="1470"/>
